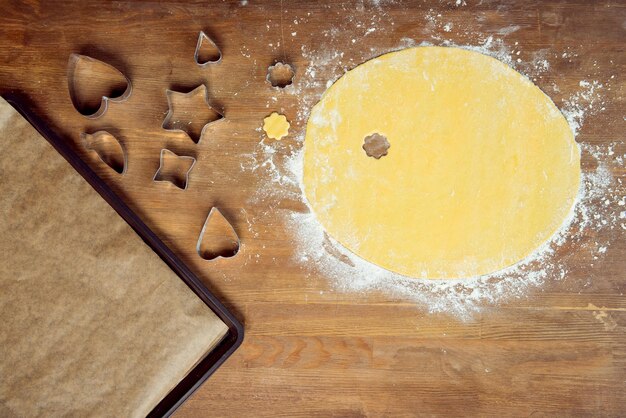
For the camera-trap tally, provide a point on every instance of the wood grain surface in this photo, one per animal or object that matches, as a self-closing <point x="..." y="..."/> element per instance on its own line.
<point x="312" y="349"/>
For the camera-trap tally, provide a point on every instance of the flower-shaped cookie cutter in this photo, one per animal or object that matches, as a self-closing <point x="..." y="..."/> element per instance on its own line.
<point x="280" y="75"/>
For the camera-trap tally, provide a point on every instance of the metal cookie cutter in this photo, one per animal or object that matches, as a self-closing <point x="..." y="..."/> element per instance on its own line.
<point x="184" y="112"/>
<point x="174" y="169"/>
<point x="214" y="53"/>
<point x="224" y="241"/>
<point x="81" y="73"/>
<point x="280" y="75"/>
<point x="108" y="148"/>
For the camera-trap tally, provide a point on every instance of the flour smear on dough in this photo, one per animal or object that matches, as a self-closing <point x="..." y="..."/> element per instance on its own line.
<point x="598" y="207"/>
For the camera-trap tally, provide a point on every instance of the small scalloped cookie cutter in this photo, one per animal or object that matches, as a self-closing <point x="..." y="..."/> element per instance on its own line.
<point x="229" y="244"/>
<point x="280" y="75"/>
<point x="108" y="148"/>
<point x="177" y="125"/>
<point x="173" y="175"/>
<point x="74" y="62"/>
<point x="203" y="41"/>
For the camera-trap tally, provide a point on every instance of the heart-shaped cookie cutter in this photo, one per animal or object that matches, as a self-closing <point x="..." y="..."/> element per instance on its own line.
<point x="74" y="61"/>
<point x="202" y="38"/>
<point x="217" y="214"/>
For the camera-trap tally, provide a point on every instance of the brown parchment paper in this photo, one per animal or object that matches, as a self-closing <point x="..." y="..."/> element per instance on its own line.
<point x="92" y="321"/>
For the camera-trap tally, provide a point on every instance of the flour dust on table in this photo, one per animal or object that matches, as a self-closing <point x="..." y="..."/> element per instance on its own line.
<point x="596" y="205"/>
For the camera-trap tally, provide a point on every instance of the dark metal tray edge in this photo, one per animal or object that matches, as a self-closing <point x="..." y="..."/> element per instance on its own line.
<point x="233" y="339"/>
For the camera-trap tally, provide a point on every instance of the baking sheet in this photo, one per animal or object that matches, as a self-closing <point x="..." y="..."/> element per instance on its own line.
<point x="92" y="321"/>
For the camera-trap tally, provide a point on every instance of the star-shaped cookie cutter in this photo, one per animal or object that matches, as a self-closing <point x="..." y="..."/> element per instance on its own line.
<point x="177" y="124"/>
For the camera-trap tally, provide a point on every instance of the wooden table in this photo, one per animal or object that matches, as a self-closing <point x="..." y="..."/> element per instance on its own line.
<point x="310" y="348"/>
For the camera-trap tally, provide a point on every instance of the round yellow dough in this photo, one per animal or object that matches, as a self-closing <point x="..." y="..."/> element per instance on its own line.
<point x="481" y="168"/>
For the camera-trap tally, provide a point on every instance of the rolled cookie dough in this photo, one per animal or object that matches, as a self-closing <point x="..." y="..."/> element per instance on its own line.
<point x="482" y="168"/>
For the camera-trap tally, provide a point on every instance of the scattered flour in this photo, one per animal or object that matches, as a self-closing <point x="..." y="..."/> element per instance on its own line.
<point x="281" y="166"/>
<point x="463" y="296"/>
<point x="584" y="103"/>
<point x="508" y="30"/>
